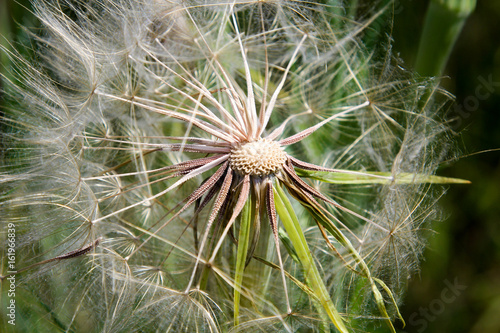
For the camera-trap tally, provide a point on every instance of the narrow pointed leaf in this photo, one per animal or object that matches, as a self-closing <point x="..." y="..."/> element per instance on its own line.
<point x="311" y="206"/>
<point x="313" y="277"/>
<point x="385" y="178"/>
<point x="243" y="242"/>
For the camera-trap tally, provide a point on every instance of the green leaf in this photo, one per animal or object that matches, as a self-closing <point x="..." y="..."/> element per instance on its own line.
<point x="313" y="278"/>
<point x="241" y="256"/>
<point x="385" y="178"/>
<point x="322" y="219"/>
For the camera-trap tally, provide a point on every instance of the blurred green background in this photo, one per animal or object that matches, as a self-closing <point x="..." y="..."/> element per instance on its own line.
<point x="466" y="249"/>
<point x="458" y="288"/>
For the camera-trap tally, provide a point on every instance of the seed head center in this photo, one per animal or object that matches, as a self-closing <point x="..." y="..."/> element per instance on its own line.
<point x="258" y="158"/>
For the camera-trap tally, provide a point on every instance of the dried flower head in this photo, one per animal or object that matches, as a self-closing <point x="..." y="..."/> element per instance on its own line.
<point x="158" y="146"/>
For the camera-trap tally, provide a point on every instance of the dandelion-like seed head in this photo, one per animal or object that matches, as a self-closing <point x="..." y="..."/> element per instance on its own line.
<point x="257" y="158"/>
<point x="155" y="141"/>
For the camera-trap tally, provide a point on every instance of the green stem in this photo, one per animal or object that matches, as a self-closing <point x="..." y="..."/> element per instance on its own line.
<point x="204" y="278"/>
<point x="443" y="23"/>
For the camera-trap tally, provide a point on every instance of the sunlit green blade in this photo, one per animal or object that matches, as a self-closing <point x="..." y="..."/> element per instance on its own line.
<point x="313" y="278"/>
<point x="243" y="242"/>
<point x="386" y="178"/>
<point x="311" y="206"/>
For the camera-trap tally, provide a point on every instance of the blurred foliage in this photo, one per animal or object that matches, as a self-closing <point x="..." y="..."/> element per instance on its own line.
<point x="13" y="15"/>
<point x="442" y="26"/>
<point x="466" y="247"/>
